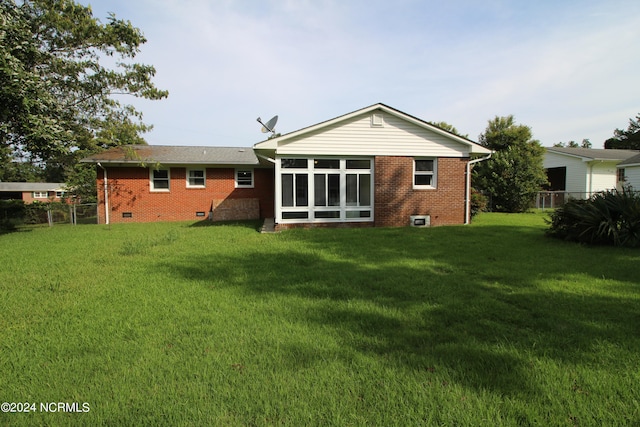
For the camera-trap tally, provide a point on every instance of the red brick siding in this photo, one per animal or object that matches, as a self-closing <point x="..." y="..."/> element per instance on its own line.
<point x="129" y="191"/>
<point x="396" y="200"/>
<point x="27" y="197"/>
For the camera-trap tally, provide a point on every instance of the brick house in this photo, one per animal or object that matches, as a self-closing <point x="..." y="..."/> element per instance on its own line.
<point x="376" y="166"/>
<point x="30" y="192"/>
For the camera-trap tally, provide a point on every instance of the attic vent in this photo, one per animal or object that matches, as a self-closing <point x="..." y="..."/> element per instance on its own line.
<point x="377" y="120"/>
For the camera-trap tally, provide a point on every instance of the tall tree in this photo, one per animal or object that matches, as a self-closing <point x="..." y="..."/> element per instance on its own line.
<point x="448" y="127"/>
<point x="572" y="144"/>
<point x="626" y="139"/>
<point x="514" y="174"/>
<point x="58" y="102"/>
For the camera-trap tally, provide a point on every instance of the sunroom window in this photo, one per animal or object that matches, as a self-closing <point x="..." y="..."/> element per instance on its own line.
<point x="325" y="189"/>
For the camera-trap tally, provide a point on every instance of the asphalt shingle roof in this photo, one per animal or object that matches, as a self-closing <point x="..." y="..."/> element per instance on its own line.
<point x="31" y="186"/>
<point x="635" y="160"/>
<point x="595" y="153"/>
<point x="166" y="154"/>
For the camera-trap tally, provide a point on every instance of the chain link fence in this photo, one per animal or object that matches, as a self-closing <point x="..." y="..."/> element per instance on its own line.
<point x="16" y="212"/>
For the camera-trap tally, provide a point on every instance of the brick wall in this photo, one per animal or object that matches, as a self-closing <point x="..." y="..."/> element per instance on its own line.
<point x="27" y="197"/>
<point x="129" y="192"/>
<point x="396" y="200"/>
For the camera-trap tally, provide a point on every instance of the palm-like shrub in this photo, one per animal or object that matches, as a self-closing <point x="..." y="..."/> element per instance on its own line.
<point x="608" y="218"/>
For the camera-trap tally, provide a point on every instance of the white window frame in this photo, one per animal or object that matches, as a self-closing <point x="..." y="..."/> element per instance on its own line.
<point x="190" y="178"/>
<point x="347" y="213"/>
<point x="433" y="174"/>
<point x="237" y="180"/>
<point x="152" y="180"/>
<point x="40" y="194"/>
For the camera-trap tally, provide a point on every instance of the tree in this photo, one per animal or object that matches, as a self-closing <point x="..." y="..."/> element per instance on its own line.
<point x="626" y="139"/>
<point x="58" y="102"/>
<point x="572" y="144"/>
<point x="514" y="173"/>
<point x="449" y="128"/>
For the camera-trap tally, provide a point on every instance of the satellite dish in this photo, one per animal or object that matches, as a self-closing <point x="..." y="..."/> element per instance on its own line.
<point x="270" y="125"/>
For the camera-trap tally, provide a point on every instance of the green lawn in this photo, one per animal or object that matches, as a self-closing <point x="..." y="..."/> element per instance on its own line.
<point x="181" y="324"/>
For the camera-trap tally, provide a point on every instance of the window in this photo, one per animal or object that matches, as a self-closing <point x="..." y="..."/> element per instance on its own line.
<point x="40" y="194"/>
<point x="621" y="177"/>
<point x="424" y="173"/>
<point x="196" y="178"/>
<point x="60" y="194"/>
<point x="244" y="178"/>
<point x="325" y="189"/>
<point x="160" y="180"/>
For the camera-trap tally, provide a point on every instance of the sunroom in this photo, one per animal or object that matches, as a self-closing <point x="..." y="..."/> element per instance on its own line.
<point x="323" y="189"/>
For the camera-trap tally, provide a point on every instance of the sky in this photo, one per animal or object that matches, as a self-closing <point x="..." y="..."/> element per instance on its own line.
<point x="568" y="69"/>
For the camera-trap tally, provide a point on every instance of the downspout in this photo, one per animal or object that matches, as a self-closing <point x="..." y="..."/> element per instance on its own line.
<point x="106" y="195"/>
<point x="467" y="202"/>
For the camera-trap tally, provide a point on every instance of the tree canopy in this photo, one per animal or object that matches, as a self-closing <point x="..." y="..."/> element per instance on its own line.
<point x="626" y="139"/>
<point x="514" y="173"/>
<point x="448" y="127"/>
<point x="572" y="144"/>
<point x="58" y="102"/>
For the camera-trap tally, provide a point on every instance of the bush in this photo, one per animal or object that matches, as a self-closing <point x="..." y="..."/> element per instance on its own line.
<point x="11" y="213"/>
<point x="479" y="202"/>
<point x="609" y="218"/>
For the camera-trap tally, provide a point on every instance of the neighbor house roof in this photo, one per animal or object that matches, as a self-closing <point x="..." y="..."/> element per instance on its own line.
<point x="588" y="154"/>
<point x="631" y="161"/>
<point x="474" y="146"/>
<point x="166" y="154"/>
<point x="32" y="186"/>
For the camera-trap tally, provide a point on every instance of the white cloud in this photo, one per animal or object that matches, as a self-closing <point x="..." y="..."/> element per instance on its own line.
<point x="567" y="69"/>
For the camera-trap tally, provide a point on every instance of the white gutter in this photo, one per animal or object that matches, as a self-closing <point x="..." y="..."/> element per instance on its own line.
<point x="106" y="195"/>
<point x="467" y="202"/>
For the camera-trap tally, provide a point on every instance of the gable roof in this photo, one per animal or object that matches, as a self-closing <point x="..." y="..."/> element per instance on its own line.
<point x="631" y="161"/>
<point x="183" y="155"/>
<point x="32" y="186"/>
<point x="273" y="143"/>
<point x="588" y="154"/>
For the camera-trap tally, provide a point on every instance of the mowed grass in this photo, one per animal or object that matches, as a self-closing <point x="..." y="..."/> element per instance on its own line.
<point x="182" y="324"/>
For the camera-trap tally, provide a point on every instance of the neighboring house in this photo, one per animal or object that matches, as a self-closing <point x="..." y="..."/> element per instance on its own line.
<point x="30" y="192"/>
<point x="582" y="172"/>
<point x="376" y="166"/>
<point x="629" y="173"/>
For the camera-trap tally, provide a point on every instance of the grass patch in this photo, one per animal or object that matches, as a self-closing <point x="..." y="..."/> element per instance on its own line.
<point x="180" y="324"/>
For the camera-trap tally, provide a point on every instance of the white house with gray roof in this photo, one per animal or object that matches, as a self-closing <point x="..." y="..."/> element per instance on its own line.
<point x="629" y="172"/>
<point x="582" y="172"/>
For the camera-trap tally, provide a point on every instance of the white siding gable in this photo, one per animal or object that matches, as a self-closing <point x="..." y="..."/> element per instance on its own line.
<point x="576" y="178"/>
<point x="365" y="135"/>
<point x="632" y="176"/>
<point x="603" y="176"/>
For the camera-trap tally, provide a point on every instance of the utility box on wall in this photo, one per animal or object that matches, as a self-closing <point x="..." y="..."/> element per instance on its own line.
<point x="420" y="220"/>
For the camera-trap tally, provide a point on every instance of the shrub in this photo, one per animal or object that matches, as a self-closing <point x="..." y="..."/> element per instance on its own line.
<point x="11" y="213"/>
<point x="478" y="202"/>
<point x="608" y="218"/>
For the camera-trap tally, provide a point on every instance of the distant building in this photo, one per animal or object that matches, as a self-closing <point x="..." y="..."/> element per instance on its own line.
<point x="30" y="192"/>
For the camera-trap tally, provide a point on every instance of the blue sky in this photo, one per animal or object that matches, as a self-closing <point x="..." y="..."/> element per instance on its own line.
<point x="568" y="69"/>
